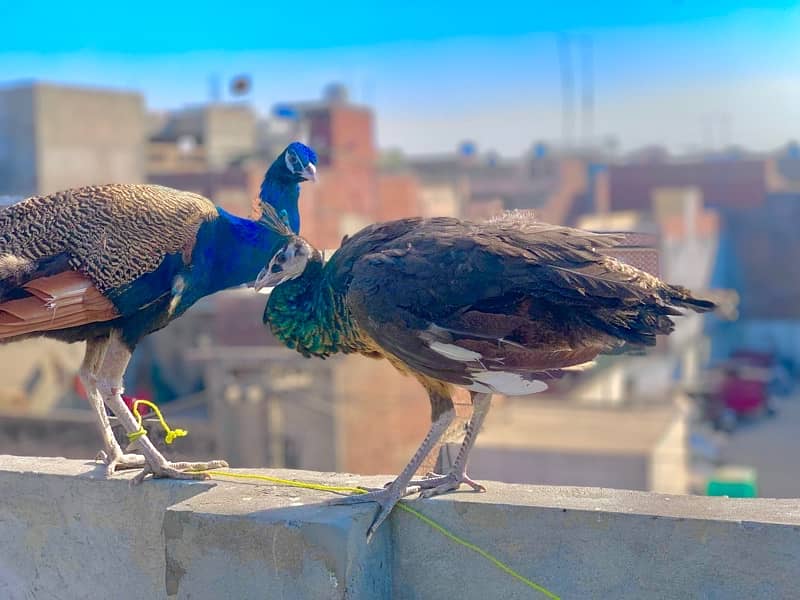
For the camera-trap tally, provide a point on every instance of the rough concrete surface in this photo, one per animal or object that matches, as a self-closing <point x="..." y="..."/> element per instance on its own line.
<point x="249" y="541"/>
<point x="65" y="532"/>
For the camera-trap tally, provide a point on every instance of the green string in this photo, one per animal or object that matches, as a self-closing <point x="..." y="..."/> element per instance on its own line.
<point x="403" y="506"/>
<point x="175" y="433"/>
<point x="171" y="434"/>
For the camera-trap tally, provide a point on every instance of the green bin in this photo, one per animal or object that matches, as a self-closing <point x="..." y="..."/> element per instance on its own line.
<point x="734" y="482"/>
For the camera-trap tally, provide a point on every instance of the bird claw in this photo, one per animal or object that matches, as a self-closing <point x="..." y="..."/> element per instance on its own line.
<point x="417" y="482"/>
<point x="441" y="484"/>
<point x="120" y="461"/>
<point x="179" y="470"/>
<point x="385" y="497"/>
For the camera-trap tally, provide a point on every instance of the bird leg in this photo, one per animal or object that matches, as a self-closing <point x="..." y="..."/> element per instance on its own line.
<point x="111" y="454"/>
<point x="110" y="383"/>
<point x="439" y="484"/>
<point x="390" y="495"/>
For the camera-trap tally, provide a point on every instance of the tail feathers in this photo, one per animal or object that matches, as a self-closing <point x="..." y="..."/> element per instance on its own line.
<point x="680" y="296"/>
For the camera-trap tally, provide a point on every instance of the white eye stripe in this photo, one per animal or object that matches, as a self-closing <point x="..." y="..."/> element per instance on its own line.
<point x="292" y="162"/>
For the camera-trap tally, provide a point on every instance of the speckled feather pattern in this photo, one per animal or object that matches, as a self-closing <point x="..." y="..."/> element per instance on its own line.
<point x="523" y="297"/>
<point x="112" y="233"/>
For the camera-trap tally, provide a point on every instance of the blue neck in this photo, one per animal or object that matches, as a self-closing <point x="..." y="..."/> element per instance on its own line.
<point x="282" y="193"/>
<point x="230" y="251"/>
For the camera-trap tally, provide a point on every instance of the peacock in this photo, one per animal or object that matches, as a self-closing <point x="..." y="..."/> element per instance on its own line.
<point x="496" y="307"/>
<point x="109" y="264"/>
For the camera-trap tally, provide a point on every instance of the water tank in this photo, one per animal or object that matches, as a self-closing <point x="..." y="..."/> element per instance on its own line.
<point x="335" y="93"/>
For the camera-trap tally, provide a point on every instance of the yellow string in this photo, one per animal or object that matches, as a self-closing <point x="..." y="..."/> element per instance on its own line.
<point x="176" y="433"/>
<point x="171" y="434"/>
<point x="403" y="506"/>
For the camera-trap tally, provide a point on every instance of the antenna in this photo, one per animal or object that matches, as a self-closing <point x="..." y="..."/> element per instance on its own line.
<point x="567" y="89"/>
<point x="587" y="97"/>
<point x="214" y="88"/>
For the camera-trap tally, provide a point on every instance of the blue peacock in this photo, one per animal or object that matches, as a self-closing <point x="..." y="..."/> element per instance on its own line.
<point x="110" y="264"/>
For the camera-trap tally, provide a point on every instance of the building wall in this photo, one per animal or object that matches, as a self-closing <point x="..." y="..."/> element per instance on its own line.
<point x="722" y="184"/>
<point x="17" y="142"/>
<point x="86" y="136"/>
<point x="342" y="135"/>
<point x="669" y="461"/>
<point x="235" y="189"/>
<point x="398" y="197"/>
<point x="553" y="467"/>
<point x="439" y="200"/>
<point x="382" y="416"/>
<point x="169" y="157"/>
<point x="229" y="133"/>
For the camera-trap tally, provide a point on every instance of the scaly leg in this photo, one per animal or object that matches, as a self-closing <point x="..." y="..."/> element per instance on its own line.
<point x="111" y="454"/>
<point x="390" y="495"/>
<point x="110" y="383"/>
<point x="439" y="484"/>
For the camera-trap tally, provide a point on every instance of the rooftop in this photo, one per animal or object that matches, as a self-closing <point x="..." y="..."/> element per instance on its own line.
<point x="535" y="424"/>
<point x="98" y="538"/>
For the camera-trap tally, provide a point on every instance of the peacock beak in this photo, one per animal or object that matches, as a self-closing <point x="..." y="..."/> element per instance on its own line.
<point x="309" y="173"/>
<point x="262" y="281"/>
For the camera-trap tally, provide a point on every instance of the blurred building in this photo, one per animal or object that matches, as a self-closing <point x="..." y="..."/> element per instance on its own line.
<point x="233" y="187"/>
<point x="558" y="187"/>
<point x="721" y="184"/>
<point x="271" y="406"/>
<point x="54" y="137"/>
<point x="560" y="443"/>
<point x="36" y="374"/>
<point x="206" y="137"/>
<point x="759" y="257"/>
<point x="353" y="191"/>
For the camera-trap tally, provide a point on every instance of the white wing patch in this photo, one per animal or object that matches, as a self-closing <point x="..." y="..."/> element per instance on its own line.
<point x="581" y="367"/>
<point x="454" y="352"/>
<point x="503" y="382"/>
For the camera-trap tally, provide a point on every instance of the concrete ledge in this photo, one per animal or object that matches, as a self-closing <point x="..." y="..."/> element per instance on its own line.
<point x="66" y="532"/>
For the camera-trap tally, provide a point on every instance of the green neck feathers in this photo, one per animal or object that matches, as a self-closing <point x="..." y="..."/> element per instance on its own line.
<point x="305" y="314"/>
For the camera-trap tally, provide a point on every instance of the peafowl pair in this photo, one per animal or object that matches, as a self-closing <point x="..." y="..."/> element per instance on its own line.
<point x="110" y="264"/>
<point x="499" y="307"/>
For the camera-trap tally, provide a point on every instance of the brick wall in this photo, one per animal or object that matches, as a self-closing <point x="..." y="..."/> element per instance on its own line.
<point x="398" y="197"/>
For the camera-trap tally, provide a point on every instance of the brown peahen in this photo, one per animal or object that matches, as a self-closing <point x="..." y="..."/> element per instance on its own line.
<point x="495" y="307"/>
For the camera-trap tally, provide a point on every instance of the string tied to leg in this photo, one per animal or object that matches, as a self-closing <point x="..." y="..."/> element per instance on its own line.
<point x="171" y="434"/>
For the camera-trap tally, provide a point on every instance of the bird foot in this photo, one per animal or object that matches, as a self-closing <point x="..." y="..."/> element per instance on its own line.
<point x="385" y="497"/>
<point x="434" y="485"/>
<point x="119" y="461"/>
<point x="179" y="470"/>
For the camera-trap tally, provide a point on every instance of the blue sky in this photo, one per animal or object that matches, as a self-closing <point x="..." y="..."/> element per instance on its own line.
<point x="679" y="72"/>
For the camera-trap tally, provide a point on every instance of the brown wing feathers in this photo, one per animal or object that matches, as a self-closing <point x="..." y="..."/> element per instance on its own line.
<point x="65" y="300"/>
<point x="112" y="233"/>
<point x="59" y="254"/>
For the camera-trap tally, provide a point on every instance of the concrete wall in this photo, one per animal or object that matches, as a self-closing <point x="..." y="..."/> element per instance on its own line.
<point x="668" y="469"/>
<point x="17" y="141"/>
<point x="56" y="137"/>
<point x="65" y="532"/>
<point x="229" y="133"/>
<point x="88" y="136"/>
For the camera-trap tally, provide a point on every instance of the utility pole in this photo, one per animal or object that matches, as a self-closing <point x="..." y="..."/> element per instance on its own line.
<point x="587" y="90"/>
<point x="567" y="90"/>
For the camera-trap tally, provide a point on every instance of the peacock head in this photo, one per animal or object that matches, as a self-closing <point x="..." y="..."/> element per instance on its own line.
<point x="288" y="263"/>
<point x="300" y="162"/>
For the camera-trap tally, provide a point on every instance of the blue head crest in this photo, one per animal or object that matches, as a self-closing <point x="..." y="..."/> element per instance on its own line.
<point x="281" y="189"/>
<point x="300" y="161"/>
